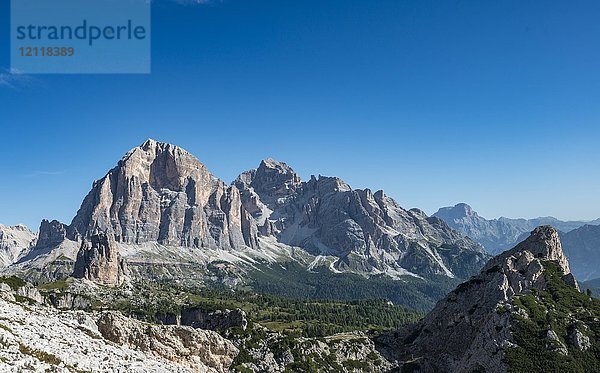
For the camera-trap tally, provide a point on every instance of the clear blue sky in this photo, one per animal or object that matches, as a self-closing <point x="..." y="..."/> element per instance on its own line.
<point x="494" y="103"/>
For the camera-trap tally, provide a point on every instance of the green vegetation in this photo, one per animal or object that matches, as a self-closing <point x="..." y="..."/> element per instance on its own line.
<point x="24" y="300"/>
<point x="294" y="281"/>
<point x="12" y="281"/>
<point x="59" y="285"/>
<point x="560" y="308"/>
<point x="40" y="355"/>
<point x="2" y="326"/>
<point x="298" y="317"/>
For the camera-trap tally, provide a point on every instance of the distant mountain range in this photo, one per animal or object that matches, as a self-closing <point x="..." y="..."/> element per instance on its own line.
<point x="173" y="219"/>
<point x="582" y="246"/>
<point x="581" y="239"/>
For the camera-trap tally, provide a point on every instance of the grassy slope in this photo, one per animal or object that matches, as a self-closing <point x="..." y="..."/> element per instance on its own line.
<point x="296" y="282"/>
<point x="558" y="308"/>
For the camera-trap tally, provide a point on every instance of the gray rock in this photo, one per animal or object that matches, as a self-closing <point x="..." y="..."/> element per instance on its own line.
<point x="555" y="344"/>
<point x="160" y="193"/>
<point x="6" y="293"/>
<point x="99" y="261"/>
<point x="67" y="301"/>
<point x="51" y="234"/>
<point x="369" y="232"/>
<point x="577" y="339"/>
<point x="471" y="327"/>
<point x="29" y="291"/>
<point x="184" y="345"/>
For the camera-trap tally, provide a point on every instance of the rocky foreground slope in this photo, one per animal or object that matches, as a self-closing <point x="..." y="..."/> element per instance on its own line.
<point x="39" y="338"/>
<point x="523" y="312"/>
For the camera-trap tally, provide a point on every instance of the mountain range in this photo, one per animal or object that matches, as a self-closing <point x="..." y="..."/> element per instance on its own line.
<point x="167" y="265"/>
<point x="172" y="219"/>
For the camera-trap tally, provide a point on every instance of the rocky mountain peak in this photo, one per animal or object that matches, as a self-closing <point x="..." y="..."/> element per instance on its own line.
<point x="164" y="165"/>
<point x="458" y="211"/>
<point x="275" y="179"/>
<point x="365" y="232"/>
<point x="544" y="243"/>
<point x="15" y="241"/>
<point x="159" y="192"/>
<point x="466" y="331"/>
<point x="330" y="184"/>
<point x="270" y="163"/>
<point x="19" y="227"/>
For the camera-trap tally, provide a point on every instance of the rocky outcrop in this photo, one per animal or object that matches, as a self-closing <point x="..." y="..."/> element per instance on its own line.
<point x="31" y="292"/>
<point x="42" y="339"/>
<point x="99" y="261"/>
<point x="270" y="351"/>
<point x="51" y="234"/>
<point x="368" y="232"/>
<point x="199" y="350"/>
<point x="577" y="339"/>
<point x="19" y="289"/>
<point x="469" y="329"/>
<point x="15" y="242"/>
<point x="497" y="235"/>
<point x="160" y="193"/>
<point x="214" y="320"/>
<point x="67" y="300"/>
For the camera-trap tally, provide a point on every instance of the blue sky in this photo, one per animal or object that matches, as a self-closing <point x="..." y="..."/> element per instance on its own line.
<point x="493" y="103"/>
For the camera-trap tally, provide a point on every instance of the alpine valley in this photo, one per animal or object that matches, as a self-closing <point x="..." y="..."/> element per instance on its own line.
<point x="167" y="268"/>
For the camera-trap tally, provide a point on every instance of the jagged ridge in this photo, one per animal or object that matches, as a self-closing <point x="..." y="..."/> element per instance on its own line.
<point x="471" y="329"/>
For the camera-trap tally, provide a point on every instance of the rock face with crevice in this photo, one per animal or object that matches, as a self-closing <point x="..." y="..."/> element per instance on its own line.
<point x="470" y="329"/>
<point x="161" y="193"/>
<point x="99" y="261"/>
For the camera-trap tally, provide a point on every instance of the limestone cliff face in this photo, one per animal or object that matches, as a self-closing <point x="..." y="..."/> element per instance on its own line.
<point x="197" y="349"/>
<point x="99" y="261"/>
<point x="469" y="329"/>
<point x="52" y="233"/>
<point x="368" y="232"/>
<point x="160" y="193"/>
